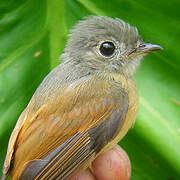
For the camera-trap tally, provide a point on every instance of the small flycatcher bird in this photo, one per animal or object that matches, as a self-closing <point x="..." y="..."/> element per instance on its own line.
<point x="83" y="107"/>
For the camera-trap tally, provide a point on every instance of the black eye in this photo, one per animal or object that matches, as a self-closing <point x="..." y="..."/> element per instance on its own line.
<point x="107" y="48"/>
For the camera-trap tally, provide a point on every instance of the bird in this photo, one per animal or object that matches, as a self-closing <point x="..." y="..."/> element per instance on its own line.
<point x="83" y="107"/>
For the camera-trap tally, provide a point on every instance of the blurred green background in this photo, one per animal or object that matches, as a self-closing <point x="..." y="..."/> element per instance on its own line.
<point x="33" y="35"/>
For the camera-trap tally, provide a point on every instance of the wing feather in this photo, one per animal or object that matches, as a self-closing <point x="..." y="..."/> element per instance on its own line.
<point x="40" y="133"/>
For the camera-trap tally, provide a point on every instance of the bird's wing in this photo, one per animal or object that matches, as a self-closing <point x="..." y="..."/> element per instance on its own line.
<point x="12" y="141"/>
<point x="66" y="131"/>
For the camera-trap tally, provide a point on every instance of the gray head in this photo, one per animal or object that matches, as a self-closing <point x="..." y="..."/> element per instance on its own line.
<point x="106" y="44"/>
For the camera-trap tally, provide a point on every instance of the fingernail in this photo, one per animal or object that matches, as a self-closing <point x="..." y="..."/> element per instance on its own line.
<point x="123" y="155"/>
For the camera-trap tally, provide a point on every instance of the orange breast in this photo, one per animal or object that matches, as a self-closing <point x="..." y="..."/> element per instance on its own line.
<point x="130" y="85"/>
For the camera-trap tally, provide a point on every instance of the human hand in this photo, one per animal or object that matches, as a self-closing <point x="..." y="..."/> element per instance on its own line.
<point x="111" y="165"/>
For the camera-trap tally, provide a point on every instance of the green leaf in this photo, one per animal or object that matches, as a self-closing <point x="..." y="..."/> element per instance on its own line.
<point x="33" y="35"/>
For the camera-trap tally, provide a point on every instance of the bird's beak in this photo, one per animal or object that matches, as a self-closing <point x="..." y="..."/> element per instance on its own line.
<point x="147" y="47"/>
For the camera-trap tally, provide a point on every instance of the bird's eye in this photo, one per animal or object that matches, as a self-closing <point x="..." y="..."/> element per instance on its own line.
<point x="107" y="49"/>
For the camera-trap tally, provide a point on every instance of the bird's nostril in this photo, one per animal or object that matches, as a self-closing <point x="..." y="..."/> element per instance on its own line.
<point x="142" y="45"/>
